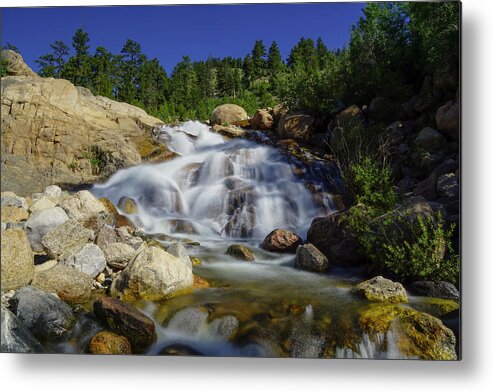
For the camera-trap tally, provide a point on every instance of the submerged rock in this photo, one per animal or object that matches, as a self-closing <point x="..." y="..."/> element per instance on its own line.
<point x="17" y="260"/>
<point x="45" y="315"/>
<point x="128" y="321"/>
<point x="240" y="252"/>
<point x="281" y="241"/>
<point x="127" y="205"/>
<point x="106" y="342"/>
<point x="189" y="321"/>
<point x="224" y="327"/>
<point x="309" y="258"/>
<point x="153" y="274"/>
<point x="70" y="285"/>
<point x="414" y="334"/>
<point x="379" y="289"/>
<point x="15" y="337"/>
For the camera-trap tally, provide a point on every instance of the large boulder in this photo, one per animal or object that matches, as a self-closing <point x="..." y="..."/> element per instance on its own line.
<point x="309" y="258"/>
<point x="177" y="249"/>
<point x="15" y="337"/>
<point x="70" y="285"/>
<point x="228" y="114"/>
<point x="15" y="65"/>
<point x="45" y="315"/>
<point x="126" y="320"/>
<point x="281" y="241"/>
<point x="334" y="238"/>
<point x="262" y="120"/>
<point x="10" y="199"/>
<point x="66" y="239"/>
<point x="40" y="223"/>
<point x="17" y="260"/>
<point x="379" y="289"/>
<point x="153" y="275"/>
<point x="296" y="126"/>
<point x="55" y="132"/>
<point x="89" y="259"/>
<point x="86" y="209"/>
<point x="350" y="116"/>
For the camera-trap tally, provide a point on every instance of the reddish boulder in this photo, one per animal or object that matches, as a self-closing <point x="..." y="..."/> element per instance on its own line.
<point x="282" y="241"/>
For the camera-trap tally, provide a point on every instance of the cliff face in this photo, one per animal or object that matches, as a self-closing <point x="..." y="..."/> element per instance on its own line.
<point x="56" y="133"/>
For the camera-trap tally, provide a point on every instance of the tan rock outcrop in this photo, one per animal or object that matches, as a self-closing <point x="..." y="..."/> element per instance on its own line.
<point x="56" y="133"/>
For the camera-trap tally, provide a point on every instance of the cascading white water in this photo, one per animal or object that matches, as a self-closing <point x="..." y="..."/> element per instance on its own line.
<point x="215" y="187"/>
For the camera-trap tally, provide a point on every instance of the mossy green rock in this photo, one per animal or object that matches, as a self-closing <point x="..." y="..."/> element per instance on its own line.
<point x="417" y="334"/>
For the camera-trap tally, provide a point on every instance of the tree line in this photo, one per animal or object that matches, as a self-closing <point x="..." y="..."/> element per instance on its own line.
<point x="393" y="47"/>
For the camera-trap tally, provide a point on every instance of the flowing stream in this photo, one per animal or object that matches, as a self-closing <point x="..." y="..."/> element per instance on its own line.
<point x="218" y="192"/>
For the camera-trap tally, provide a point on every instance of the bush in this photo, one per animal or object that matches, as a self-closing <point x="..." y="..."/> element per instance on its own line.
<point x="413" y="250"/>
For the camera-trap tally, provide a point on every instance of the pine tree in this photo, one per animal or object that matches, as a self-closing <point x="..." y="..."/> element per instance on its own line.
<point x="132" y="59"/>
<point x="78" y="67"/>
<point x="102" y="71"/>
<point x="322" y="53"/>
<point x="60" y="53"/>
<point x="258" y="60"/>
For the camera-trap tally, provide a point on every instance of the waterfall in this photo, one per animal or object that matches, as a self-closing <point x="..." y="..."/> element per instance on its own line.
<point x="214" y="188"/>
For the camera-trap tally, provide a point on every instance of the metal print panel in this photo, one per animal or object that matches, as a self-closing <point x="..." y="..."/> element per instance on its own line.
<point x="262" y="180"/>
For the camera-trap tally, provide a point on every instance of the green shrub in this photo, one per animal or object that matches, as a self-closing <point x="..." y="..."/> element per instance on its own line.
<point x="410" y="250"/>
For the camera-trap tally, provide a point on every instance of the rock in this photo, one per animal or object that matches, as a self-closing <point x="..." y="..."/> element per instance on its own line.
<point x="125" y="237"/>
<point x="86" y="209"/>
<point x="379" y="289"/>
<point x="351" y="116"/>
<point x="230" y="131"/>
<point x="106" y="342"/>
<point x="282" y="241"/>
<point x="240" y="252"/>
<point x="189" y="321"/>
<point x="45" y="266"/>
<point x="443" y="290"/>
<point x="178" y="250"/>
<point x="15" y="65"/>
<point x="118" y="255"/>
<point x="10" y="199"/>
<point x="296" y="126"/>
<point x="127" y="205"/>
<point x="228" y="114"/>
<point x="17" y="260"/>
<point x="448" y="119"/>
<point x="14" y="214"/>
<point x="40" y="223"/>
<point x="56" y="133"/>
<point x="309" y="258"/>
<point x="262" y="120"/>
<point x="430" y="139"/>
<point x="66" y="239"/>
<point x="90" y="260"/>
<point x="106" y="236"/>
<point x="417" y="335"/>
<point x="41" y="204"/>
<point x="427" y="188"/>
<point x="333" y="237"/>
<point x="53" y="192"/>
<point x="45" y="315"/>
<point x="128" y="321"/>
<point x="224" y="327"/>
<point x="382" y="110"/>
<point x="199" y="283"/>
<point x="15" y="337"/>
<point x="448" y="185"/>
<point x="153" y="275"/>
<point x="71" y="286"/>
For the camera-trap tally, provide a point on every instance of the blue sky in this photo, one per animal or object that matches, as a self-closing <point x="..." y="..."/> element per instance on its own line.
<point x="170" y="32"/>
